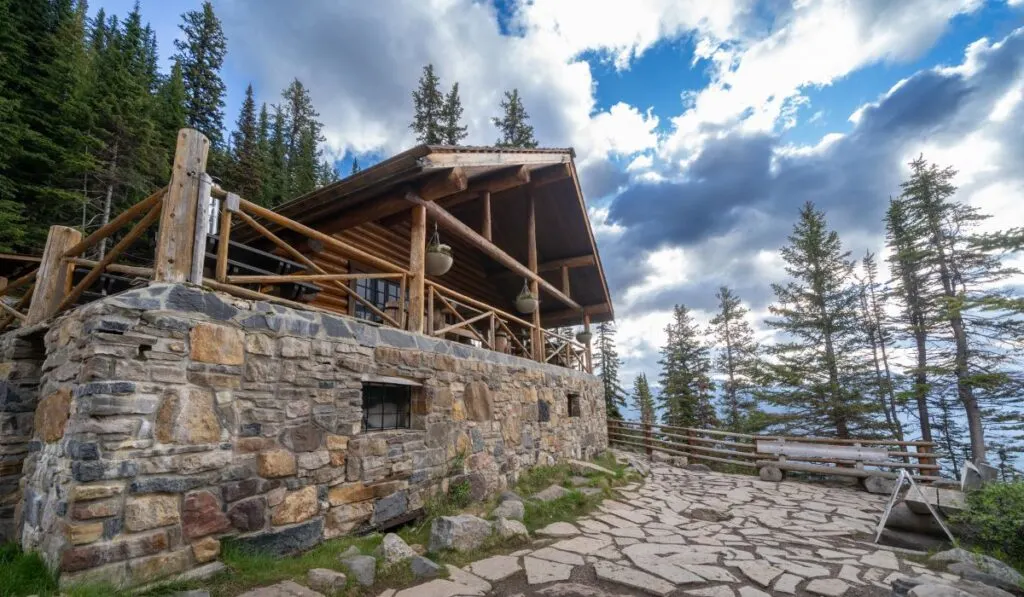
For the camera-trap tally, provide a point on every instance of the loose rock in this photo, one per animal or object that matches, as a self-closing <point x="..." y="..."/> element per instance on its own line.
<point x="362" y="568"/>
<point x="507" y="529"/>
<point x="326" y="580"/>
<point x="462" y="533"/>
<point x="423" y="567"/>
<point x="393" y="550"/>
<point x="551" y="493"/>
<point x="511" y="509"/>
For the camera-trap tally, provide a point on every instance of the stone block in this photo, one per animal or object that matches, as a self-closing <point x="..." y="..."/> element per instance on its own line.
<point x="276" y="463"/>
<point x="326" y="580"/>
<point x="95" y="509"/>
<point x="205" y="550"/>
<point x="219" y="344"/>
<point x="295" y="347"/>
<point x="297" y="506"/>
<point x="150" y="511"/>
<point x="477" y="399"/>
<point x="201" y="515"/>
<point x="286" y="541"/>
<point x="313" y="460"/>
<point x="352" y="492"/>
<point x="187" y="416"/>
<point x="97" y="554"/>
<point x="946" y="501"/>
<point x="390" y="507"/>
<point x="81" y="493"/>
<point x="52" y="415"/>
<point x="81" y="534"/>
<point x="304" y="438"/>
<point x="146" y="570"/>
<point x="462" y="533"/>
<point x="249" y="515"/>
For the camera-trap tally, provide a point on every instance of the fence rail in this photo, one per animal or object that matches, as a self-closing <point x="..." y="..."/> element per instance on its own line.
<point x="742" y="450"/>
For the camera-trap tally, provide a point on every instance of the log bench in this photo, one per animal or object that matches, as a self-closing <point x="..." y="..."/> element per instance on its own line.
<point x="835" y="459"/>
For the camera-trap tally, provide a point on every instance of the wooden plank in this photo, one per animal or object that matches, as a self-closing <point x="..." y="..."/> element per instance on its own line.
<point x="203" y="206"/>
<point x="464" y="323"/>
<point x="110" y="257"/>
<point x="457" y="227"/>
<point x="550" y="174"/>
<point x="54" y="278"/>
<point x="117" y="268"/>
<point x="503" y="180"/>
<point x="223" y="241"/>
<point x="485" y="225"/>
<point x="417" y="263"/>
<point x="117" y="223"/>
<point x="176" y="235"/>
<point x="292" y="278"/>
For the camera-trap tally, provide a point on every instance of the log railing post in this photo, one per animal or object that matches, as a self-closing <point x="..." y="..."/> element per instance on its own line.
<point x="175" y="240"/>
<point x="588" y="354"/>
<point x="53" y="282"/>
<point x="648" y="446"/>
<point x="417" y="255"/>
<point x="485" y="226"/>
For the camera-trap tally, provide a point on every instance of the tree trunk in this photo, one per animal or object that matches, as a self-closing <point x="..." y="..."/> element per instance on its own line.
<point x="921" y="385"/>
<point x="105" y="219"/>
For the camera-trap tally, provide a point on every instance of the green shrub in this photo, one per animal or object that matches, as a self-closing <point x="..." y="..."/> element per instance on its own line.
<point x="994" y="520"/>
<point x="23" y="573"/>
<point x="459" y="494"/>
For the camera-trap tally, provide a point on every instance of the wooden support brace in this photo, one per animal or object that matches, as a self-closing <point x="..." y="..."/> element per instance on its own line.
<point x="54" y="278"/>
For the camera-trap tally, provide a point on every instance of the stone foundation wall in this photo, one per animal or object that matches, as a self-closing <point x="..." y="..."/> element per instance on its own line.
<point x="21" y="361"/>
<point x="171" y="418"/>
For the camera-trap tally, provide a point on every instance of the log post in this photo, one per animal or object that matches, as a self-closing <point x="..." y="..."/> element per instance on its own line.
<point x="588" y="353"/>
<point x="648" y="446"/>
<point x="485" y="226"/>
<point x="417" y="263"/>
<point x="176" y="238"/>
<point x="531" y="243"/>
<point x="53" y="282"/>
<point x="3" y="283"/>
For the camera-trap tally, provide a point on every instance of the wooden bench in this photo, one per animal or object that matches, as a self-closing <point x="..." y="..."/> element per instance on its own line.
<point x="828" y="459"/>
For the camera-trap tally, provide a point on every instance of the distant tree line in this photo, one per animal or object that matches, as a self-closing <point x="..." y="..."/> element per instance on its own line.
<point x="932" y="352"/>
<point x="88" y="121"/>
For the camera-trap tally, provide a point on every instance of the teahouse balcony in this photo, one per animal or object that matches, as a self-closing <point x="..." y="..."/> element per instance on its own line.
<point x="480" y="245"/>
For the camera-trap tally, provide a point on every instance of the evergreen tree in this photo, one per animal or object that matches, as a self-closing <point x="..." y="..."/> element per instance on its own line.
<point x="879" y="338"/>
<point x="276" y="183"/>
<point x="245" y="173"/>
<point x="686" y="387"/>
<point x="303" y="138"/>
<point x="263" y="150"/>
<point x="428" y="108"/>
<point x="643" y="401"/>
<point x="736" y="361"/>
<point x="608" y="364"/>
<point x="201" y="54"/>
<point x="452" y="129"/>
<point x="965" y="285"/>
<point x="170" y="108"/>
<point x="355" y="165"/>
<point x="12" y="52"/>
<point x="513" y="128"/>
<point x="816" y="373"/>
<point x="910" y="281"/>
<point x="327" y="174"/>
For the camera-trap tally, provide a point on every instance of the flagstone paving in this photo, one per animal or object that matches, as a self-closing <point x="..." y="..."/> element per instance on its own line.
<point x="789" y="538"/>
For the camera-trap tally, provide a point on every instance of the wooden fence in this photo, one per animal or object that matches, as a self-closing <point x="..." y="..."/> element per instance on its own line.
<point x="741" y="450"/>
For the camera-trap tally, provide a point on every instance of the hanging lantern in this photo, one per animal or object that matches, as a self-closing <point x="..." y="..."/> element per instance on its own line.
<point x="527" y="302"/>
<point x="439" y="256"/>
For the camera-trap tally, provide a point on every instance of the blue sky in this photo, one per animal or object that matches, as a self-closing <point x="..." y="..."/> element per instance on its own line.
<point x="700" y="127"/>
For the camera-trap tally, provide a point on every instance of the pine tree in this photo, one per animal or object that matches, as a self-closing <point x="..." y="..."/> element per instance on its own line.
<point x="513" y="129"/>
<point x="263" y="150"/>
<point x="245" y="173"/>
<point x="608" y="364"/>
<point x="170" y="107"/>
<point x="965" y="285"/>
<point x="327" y="174"/>
<point x="879" y="338"/>
<point x="428" y="108"/>
<point x="643" y="401"/>
<point x="201" y="54"/>
<point x="355" y="165"/>
<point x="910" y="281"/>
<point x="686" y="386"/>
<point x="303" y="138"/>
<point x="452" y="129"/>
<point x="737" y="361"/>
<point x="276" y="184"/>
<point x="12" y="52"/>
<point x="816" y="375"/>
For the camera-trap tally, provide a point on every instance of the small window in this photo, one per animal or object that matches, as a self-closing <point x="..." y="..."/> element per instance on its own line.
<point x="386" y="406"/>
<point x="574" y="405"/>
<point x="378" y="293"/>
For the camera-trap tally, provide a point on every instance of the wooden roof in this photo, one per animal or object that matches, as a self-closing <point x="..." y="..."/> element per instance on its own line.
<point x="454" y="177"/>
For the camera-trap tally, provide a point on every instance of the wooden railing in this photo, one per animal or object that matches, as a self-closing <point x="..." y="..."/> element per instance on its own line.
<point x="194" y="213"/>
<point x="740" y="450"/>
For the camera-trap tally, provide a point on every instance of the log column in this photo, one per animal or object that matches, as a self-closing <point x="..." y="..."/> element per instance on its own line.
<point x="589" y="354"/>
<point x="53" y="282"/>
<point x="485" y="226"/>
<point x="531" y="243"/>
<point x="417" y="263"/>
<point x="175" y="242"/>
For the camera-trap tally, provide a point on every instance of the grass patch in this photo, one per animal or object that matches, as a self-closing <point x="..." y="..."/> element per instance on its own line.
<point x="541" y="477"/>
<point x="564" y="509"/>
<point x="24" y="573"/>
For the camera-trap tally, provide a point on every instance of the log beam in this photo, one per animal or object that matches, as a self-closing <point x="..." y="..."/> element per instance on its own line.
<point x="53" y="282"/>
<point x="531" y="247"/>
<point x="555" y="264"/>
<point x="574" y="316"/>
<point x="436" y="186"/>
<point x="473" y="238"/>
<point x="503" y="180"/>
<point x="550" y="174"/>
<point x="485" y="227"/>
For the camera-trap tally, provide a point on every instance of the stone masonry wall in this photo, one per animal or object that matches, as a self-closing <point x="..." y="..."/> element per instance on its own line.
<point x="172" y="417"/>
<point x="21" y="361"/>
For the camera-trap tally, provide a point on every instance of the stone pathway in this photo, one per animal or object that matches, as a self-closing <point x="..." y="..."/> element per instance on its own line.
<point x="701" y="534"/>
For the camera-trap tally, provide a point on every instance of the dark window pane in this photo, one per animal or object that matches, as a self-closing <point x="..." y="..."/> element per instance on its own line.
<point x="386" y="406"/>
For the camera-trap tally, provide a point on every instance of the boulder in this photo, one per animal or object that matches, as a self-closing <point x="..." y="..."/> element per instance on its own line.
<point x="771" y="474"/>
<point x="911" y="540"/>
<point x="946" y="501"/>
<point x="511" y="509"/>
<point x="325" y="580"/>
<point x="461" y="533"/>
<point x="509" y="496"/>
<point x="934" y="590"/>
<point x="393" y="550"/>
<point x="980" y="568"/>
<point x="551" y="493"/>
<point x="362" y="568"/>
<point x="423" y="567"/>
<point x="903" y="518"/>
<point x="680" y="461"/>
<point x="507" y="529"/>
<point x="878" y="484"/>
